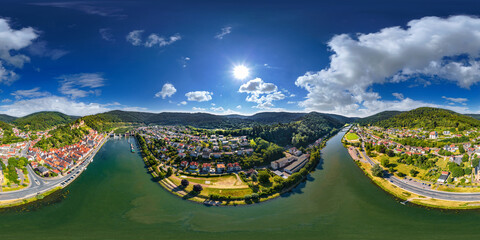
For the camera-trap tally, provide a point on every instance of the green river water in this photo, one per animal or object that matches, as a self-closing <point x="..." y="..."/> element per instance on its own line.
<point x="116" y="199"/>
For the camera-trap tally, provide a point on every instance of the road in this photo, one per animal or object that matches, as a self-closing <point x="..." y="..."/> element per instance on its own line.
<point x="424" y="190"/>
<point x="40" y="185"/>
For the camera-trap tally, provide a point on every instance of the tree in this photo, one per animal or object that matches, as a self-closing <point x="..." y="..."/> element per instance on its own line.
<point x="377" y="171"/>
<point x="461" y="149"/>
<point x="465" y="158"/>
<point x="169" y="172"/>
<point x="475" y="162"/>
<point x="197" y="188"/>
<point x="414" y="173"/>
<point x="264" y="177"/>
<point x="184" y="183"/>
<point x="254" y="178"/>
<point x="385" y="162"/>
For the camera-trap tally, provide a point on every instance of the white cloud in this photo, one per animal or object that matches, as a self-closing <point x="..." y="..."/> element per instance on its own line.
<point x="398" y="95"/>
<point x="31" y="93"/>
<point x="52" y="103"/>
<point x="258" y="86"/>
<point x="11" y="41"/>
<point x="239" y="107"/>
<point x="427" y="47"/>
<point x="455" y="100"/>
<point x="167" y="91"/>
<point x="106" y="34"/>
<point x="261" y="93"/>
<point x="81" y="85"/>
<point x="6" y="100"/>
<point x="135" y="38"/>
<point x="184" y="61"/>
<point x="199" y="96"/>
<point x="225" y="31"/>
<point x="182" y="103"/>
<point x="217" y="109"/>
<point x="198" y="109"/>
<point x="154" y="40"/>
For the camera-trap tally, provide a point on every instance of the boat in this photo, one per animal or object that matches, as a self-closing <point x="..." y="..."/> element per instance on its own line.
<point x="131" y="148"/>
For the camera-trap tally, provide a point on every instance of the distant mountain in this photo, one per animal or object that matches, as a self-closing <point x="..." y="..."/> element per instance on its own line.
<point x="42" y="120"/>
<point x="429" y="118"/>
<point x="377" y="117"/>
<point x="7" y="118"/>
<point x="476" y="116"/>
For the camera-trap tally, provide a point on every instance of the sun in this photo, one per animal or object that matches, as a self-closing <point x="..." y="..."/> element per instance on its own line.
<point x="241" y="72"/>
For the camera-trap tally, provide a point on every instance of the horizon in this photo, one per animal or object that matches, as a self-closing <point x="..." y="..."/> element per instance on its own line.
<point x="104" y="56"/>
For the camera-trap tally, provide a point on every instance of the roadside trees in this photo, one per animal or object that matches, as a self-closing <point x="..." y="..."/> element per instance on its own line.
<point x="377" y="171"/>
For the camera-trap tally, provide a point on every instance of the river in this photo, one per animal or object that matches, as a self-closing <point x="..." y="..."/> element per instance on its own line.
<point x="116" y="199"/>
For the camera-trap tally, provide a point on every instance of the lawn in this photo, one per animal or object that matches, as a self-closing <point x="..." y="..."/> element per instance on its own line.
<point x="351" y="136"/>
<point x="228" y="185"/>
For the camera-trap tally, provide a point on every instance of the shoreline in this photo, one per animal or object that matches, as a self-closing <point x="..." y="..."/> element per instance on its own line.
<point x="46" y="192"/>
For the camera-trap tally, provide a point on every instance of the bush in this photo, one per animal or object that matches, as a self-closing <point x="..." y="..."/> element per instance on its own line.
<point x="264" y="177"/>
<point x="400" y="174"/>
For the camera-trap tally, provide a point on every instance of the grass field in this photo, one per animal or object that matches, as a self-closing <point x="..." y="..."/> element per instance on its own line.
<point x="228" y="185"/>
<point x="351" y="136"/>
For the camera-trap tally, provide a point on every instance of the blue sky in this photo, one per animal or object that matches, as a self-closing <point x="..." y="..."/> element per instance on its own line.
<point x="346" y="57"/>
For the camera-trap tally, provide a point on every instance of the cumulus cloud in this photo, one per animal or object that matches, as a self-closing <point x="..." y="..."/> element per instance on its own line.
<point x="81" y="85"/>
<point x="11" y="41"/>
<point x="135" y="38"/>
<point x="225" y="31"/>
<point x="261" y="93"/>
<point x="199" y="96"/>
<point x="182" y="103"/>
<point x="167" y="91"/>
<point x="257" y="86"/>
<point x="30" y="93"/>
<point x="239" y="107"/>
<point x="445" y="48"/>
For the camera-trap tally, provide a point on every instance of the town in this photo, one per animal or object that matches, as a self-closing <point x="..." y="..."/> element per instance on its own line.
<point x="224" y="165"/>
<point x="442" y="157"/>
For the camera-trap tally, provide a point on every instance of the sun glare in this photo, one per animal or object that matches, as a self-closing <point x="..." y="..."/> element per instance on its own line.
<point x="240" y="72"/>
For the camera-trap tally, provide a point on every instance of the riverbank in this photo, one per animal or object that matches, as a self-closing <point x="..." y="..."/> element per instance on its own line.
<point x="405" y="196"/>
<point x="50" y="185"/>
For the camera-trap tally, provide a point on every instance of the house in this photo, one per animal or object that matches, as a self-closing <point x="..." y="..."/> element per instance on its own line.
<point x="456" y="159"/>
<point x="443" y="178"/>
<point x="184" y="164"/>
<point x="217" y="154"/>
<point x="1" y="175"/>
<point x="43" y="170"/>
<point x="433" y="135"/>
<point x="206" y="167"/>
<point x="220" y="168"/>
<point x="193" y="165"/>
<point x="182" y="155"/>
<point x="446" y="132"/>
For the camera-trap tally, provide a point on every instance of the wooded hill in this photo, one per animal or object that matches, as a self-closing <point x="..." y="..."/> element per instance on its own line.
<point x="42" y="120"/>
<point x="429" y="118"/>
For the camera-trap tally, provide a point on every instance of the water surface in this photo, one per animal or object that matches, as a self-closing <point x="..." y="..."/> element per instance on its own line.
<point x="116" y="199"/>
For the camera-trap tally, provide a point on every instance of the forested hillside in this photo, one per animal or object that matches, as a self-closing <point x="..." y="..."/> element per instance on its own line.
<point x="377" y="117"/>
<point x="42" y="120"/>
<point x="429" y="118"/>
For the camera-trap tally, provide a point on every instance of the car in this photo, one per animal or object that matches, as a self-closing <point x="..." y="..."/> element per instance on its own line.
<point x="36" y="181"/>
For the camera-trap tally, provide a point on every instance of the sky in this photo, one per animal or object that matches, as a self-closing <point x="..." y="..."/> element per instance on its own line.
<point x="353" y="58"/>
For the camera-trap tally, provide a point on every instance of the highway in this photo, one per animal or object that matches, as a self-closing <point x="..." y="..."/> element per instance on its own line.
<point x="40" y="185"/>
